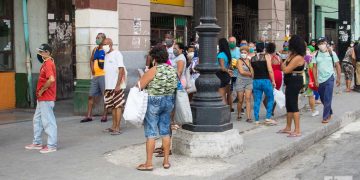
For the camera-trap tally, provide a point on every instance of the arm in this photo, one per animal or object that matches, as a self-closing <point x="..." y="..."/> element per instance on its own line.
<point x="315" y="72"/>
<point x="180" y="67"/>
<point x="148" y="62"/>
<point x="147" y="77"/>
<point x="338" y="73"/>
<point x="241" y="70"/>
<point x="121" y="74"/>
<point x="353" y="57"/>
<point x="92" y="62"/>
<point x="270" y="69"/>
<point x="48" y="83"/>
<point x="222" y="66"/>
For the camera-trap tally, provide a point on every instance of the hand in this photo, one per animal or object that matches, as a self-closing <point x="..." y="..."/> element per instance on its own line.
<point x="337" y="82"/>
<point x="230" y="72"/>
<point x="316" y="83"/>
<point x="39" y="94"/>
<point x="274" y="84"/>
<point x="117" y="88"/>
<point x="92" y="71"/>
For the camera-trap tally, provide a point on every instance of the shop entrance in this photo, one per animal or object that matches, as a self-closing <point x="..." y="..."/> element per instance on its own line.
<point x="245" y="20"/>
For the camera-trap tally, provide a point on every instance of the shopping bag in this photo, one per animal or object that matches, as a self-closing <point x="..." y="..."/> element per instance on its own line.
<point x="188" y="78"/>
<point x="279" y="97"/>
<point x="192" y="89"/>
<point x="312" y="84"/>
<point x="183" y="113"/>
<point x="136" y="106"/>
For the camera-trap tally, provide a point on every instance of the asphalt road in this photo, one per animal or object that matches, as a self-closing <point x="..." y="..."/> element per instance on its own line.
<point x="336" y="157"/>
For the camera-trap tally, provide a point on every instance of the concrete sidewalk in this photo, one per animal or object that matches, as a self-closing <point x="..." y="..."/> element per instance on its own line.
<point x="87" y="153"/>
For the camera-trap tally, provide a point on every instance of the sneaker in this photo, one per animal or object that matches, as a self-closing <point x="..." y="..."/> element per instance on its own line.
<point x="316" y="113"/>
<point x="34" y="146"/>
<point x="47" y="150"/>
<point x="87" y="119"/>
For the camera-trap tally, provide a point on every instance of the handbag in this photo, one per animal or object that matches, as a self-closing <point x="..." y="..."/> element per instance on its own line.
<point x="136" y="106"/>
<point x="183" y="114"/>
<point x="312" y="84"/>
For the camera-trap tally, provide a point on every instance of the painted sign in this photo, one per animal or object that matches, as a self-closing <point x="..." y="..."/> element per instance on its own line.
<point x="169" y="2"/>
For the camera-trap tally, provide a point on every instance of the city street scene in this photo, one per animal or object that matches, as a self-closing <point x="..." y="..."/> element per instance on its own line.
<point x="180" y="89"/>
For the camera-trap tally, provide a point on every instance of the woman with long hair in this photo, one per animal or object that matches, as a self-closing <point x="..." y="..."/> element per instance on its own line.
<point x="223" y="60"/>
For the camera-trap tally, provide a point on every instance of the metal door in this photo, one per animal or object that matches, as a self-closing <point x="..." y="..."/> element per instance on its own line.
<point x="245" y="20"/>
<point x="62" y="40"/>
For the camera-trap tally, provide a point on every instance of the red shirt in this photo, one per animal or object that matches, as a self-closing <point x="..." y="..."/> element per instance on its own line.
<point x="47" y="69"/>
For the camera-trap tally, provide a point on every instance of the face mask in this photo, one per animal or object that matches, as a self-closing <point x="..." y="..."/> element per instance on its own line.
<point x="169" y="42"/>
<point x="98" y="41"/>
<point x="232" y="45"/>
<point x="351" y="45"/>
<point x="322" y="47"/>
<point x="106" y="48"/>
<point x="243" y="56"/>
<point x="286" y="48"/>
<point x="190" y="55"/>
<point x="283" y="56"/>
<point x="40" y="58"/>
<point x="251" y="50"/>
<point x="176" y="52"/>
<point x="243" y="44"/>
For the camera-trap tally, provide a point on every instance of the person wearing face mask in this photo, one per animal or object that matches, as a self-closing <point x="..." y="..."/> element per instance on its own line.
<point x="115" y="84"/>
<point x="325" y="62"/>
<point x="44" y="118"/>
<point x="284" y="53"/>
<point x="193" y="62"/>
<point x="235" y="56"/>
<point x="252" y="50"/>
<point x="169" y="43"/>
<point x="348" y="67"/>
<point x="97" y="84"/>
<point x="244" y="84"/>
<point x="356" y="62"/>
<point x="179" y="62"/>
<point x="243" y="43"/>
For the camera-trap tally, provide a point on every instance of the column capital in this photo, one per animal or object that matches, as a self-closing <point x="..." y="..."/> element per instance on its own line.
<point x="110" y="5"/>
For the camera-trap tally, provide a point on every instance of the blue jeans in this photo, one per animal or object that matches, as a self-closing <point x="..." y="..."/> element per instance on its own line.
<point x="261" y="86"/>
<point x="157" y="117"/>
<point x="326" y="94"/>
<point x="44" y="119"/>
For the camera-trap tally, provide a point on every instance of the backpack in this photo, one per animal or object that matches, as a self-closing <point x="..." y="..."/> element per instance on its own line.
<point x="331" y="55"/>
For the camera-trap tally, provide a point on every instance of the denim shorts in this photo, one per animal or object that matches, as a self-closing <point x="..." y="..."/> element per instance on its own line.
<point x="157" y="117"/>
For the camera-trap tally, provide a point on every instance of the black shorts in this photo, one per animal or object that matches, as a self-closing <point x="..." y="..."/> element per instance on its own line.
<point x="224" y="78"/>
<point x="293" y="86"/>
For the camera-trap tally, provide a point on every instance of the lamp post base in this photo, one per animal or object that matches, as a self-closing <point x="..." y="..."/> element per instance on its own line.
<point x="207" y="144"/>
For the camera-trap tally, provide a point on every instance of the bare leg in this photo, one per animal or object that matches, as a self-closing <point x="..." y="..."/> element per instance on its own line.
<point x="229" y="97"/>
<point x="289" y="117"/>
<point x="105" y="112"/>
<point x="113" y="127"/>
<point x="348" y="85"/>
<point x="248" y="103"/>
<point x="297" y="122"/>
<point x="90" y="106"/>
<point x="166" y="145"/>
<point x="150" y="145"/>
<point x="312" y="103"/>
<point x="222" y="93"/>
<point x="240" y="96"/>
<point x="118" y="118"/>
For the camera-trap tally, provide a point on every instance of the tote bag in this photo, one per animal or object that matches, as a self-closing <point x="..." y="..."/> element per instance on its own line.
<point x="183" y="113"/>
<point x="136" y="106"/>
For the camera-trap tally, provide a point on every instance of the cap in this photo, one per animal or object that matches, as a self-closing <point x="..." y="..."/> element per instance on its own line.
<point x="322" y="39"/>
<point x="44" y="47"/>
<point x="312" y="49"/>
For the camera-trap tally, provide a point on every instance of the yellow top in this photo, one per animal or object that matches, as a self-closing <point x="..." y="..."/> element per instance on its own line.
<point x="98" y="56"/>
<point x="97" y="69"/>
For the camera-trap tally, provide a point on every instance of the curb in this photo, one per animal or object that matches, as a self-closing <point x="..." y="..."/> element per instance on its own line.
<point x="268" y="162"/>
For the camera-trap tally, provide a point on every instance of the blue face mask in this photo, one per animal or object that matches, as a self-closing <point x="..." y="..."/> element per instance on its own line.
<point x="243" y="44"/>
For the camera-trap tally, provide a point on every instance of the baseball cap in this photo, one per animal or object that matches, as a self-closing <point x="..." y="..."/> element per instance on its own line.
<point x="321" y="39"/>
<point x="44" y="47"/>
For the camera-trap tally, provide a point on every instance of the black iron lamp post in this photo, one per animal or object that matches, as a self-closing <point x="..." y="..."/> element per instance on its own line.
<point x="210" y="114"/>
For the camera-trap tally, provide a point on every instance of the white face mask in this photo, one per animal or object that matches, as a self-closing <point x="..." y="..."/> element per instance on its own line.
<point x="322" y="47"/>
<point x="190" y="55"/>
<point x="106" y="48"/>
<point x="243" y="56"/>
<point x="351" y="45"/>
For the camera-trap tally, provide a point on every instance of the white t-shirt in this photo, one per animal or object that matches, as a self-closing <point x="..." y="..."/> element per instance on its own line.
<point x="170" y="51"/>
<point x="113" y="61"/>
<point x="180" y="57"/>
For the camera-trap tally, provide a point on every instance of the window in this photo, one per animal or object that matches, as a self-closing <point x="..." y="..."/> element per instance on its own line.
<point x="6" y="35"/>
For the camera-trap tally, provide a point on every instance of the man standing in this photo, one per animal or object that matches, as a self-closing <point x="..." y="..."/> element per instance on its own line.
<point x="169" y="43"/>
<point x="235" y="56"/>
<point x="324" y="63"/>
<point x="97" y="85"/>
<point x="44" y="118"/>
<point x="115" y="83"/>
<point x="356" y="56"/>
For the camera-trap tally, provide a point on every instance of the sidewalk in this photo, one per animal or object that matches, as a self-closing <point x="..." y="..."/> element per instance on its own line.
<point x="87" y="153"/>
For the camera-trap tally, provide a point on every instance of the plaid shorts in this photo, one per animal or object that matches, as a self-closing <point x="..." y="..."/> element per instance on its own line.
<point x="114" y="99"/>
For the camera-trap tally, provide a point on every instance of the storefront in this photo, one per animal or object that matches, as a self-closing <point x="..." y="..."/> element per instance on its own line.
<point x="7" y="67"/>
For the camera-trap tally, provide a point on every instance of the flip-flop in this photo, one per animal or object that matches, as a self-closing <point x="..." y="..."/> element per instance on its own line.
<point x="143" y="167"/>
<point x="239" y="118"/>
<point x="281" y="131"/>
<point x="108" y="130"/>
<point x="161" y="154"/>
<point x="271" y="122"/>
<point x="158" y="150"/>
<point x="114" y="133"/>
<point x="294" y="135"/>
<point x="167" y="166"/>
<point x="249" y="120"/>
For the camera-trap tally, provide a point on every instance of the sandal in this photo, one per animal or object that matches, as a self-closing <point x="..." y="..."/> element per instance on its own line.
<point x="175" y="127"/>
<point x="114" y="133"/>
<point x="294" y="135"/>
<point x="283" y="131"/>
<point x="108" y="130"/>
<point x="325" y="121"/>
<point x="167" y="166"/>
<point x="158" y="150"/>
<point x="103" y="119"/>
<point x="270" y="122"/>
<point x="143" y="167"/>
<point x="161" y="154"/>
<point x="249" y="120"/>
<point x="239" y="118"/>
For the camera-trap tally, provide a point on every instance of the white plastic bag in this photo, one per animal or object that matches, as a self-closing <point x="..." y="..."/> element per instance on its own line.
<point x="183" y="113"/>
<point x="136" y="106"/>
<point x="279" y="97"/>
